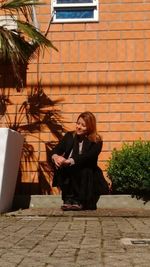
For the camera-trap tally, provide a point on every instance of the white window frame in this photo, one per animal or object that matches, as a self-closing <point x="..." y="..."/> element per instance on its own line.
<point x="55" y="6"/>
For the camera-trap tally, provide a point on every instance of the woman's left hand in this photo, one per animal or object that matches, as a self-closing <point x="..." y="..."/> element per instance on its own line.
<point x="67" y="162"/>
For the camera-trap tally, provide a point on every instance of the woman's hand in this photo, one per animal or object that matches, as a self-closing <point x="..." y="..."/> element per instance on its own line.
<point x="58" y="160"/>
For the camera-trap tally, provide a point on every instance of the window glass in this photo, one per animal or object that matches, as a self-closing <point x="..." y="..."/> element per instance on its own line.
<point x="74" y="14"/>
<point x="74" y="1"/>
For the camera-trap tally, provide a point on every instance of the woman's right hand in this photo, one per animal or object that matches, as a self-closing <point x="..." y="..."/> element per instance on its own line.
<point x="58" y="160"/>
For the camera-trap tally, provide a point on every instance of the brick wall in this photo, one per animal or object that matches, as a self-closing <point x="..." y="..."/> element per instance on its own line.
<point x="103" y="67"/>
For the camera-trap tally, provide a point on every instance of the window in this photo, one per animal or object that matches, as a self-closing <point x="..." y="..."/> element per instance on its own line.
<point x="74" y="10"/>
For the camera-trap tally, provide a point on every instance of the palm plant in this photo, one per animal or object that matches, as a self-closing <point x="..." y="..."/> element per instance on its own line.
<point x="20" y="42"/>
<point x="37" y="113"/>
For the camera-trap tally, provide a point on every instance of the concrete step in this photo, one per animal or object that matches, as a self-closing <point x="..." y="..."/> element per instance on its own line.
<point x="55" y="201"/>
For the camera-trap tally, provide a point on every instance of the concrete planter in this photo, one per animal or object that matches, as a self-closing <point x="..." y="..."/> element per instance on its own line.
<point x="122" y="202"/>
<point x="11" y="143"/>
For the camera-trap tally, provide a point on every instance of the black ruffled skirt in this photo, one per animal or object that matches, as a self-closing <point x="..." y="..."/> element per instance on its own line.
<point x="83" y="184"/>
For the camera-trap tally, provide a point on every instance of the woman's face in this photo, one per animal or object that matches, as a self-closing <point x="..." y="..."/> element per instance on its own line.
<point x="81" y="128"/>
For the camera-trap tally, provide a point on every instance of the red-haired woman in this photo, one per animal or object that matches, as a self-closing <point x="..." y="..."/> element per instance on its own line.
<point x="76" y="171"/>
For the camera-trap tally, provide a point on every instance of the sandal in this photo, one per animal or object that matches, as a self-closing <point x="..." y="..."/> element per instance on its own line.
<point x="76" y="207"/>
<point x="66" y="206"/>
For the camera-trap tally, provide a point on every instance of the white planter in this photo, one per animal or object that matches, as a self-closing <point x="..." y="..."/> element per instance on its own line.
<point x="11" y="143"/>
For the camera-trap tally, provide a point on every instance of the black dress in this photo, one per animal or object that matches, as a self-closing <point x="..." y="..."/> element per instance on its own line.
<point x="83" y="181"/>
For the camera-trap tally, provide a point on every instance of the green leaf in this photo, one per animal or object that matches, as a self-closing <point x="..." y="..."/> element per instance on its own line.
<point x="33" y="33"/>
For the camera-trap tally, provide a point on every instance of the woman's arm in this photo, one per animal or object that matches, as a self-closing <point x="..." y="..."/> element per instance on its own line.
<point x="59" y="151"/>
<point x="60" y="148"/>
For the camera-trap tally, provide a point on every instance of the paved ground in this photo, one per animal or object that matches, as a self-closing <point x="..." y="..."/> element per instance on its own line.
<point x="52" y="238"/>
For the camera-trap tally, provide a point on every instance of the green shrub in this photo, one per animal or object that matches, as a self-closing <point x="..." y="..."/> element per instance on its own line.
<point x="129" y="168"/>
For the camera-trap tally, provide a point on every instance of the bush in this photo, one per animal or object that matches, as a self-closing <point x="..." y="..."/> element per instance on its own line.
<point x="129" y="168"/>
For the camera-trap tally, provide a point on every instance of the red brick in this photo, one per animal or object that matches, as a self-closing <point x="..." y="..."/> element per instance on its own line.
<point x="110" y="35"/>
<point x="74" y="51"/>
<point x="133" y="117"/>
<point x="130" y="46"/>
<point x="105" y="155"/>
<point x="141" y="65"/>
<point x="54" y="27"/>
<point x="51" y="67"/>
<point x="111" y="79"/>
<point x="98" y="108"/>
<point x="111" y="98"/>
<point x="132" y="16"/>
<point x="97" y="26"/>
<point x="92" y="54"/>
<point x="85" y="98"/>
<point x="121" y="107"/>
<point x="138" y="25"/>
<point x="132" y="136"/>
<point x="64" y="51"/>
<point x="110" y="16"/>
<point x="121" y="127"/>
<point x="86" y="35"/>
<point x="147" y="49"/>
<point x="109" y="117"/>
<point x="73" y="108"/>
<point x="111" y="136"/>
<point x="83" y="77"/>
<point x="102" y="127"/>
<point x="121" y="50"/>
<point x="73" y="27"/>
<point x="141" y="126"/>
<point x="122" y="80"/>
<point x="101" y="77"/>
<point x="112" y="50"/>
<point x="120" y="66"/>
<point x="133" y="98"/>
<point x="97" y="66"/>
<point x="63" y="78"/>
<point x="120" y="25"/>
<point x="116" y="145"/>
<point x="102" y="50"/>
<point x="83" y="48"/>
<point x="132" y="34"/>
<point x="128" y="7"/>
<point x="74" y="67"/>
<point x="74" y="78"/>
<point x="55" y="55"/>
<point x="61" y="36"/>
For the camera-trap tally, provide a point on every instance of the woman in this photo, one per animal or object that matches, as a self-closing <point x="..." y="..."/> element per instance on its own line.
<point x="76" y="172"/>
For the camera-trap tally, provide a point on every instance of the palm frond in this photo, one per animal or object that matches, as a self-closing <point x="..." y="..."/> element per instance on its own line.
<point x="31" y="32"/>
<point x="17" y="4"/>
<point x="13" y="46"/>
<point x="14" y="50"/>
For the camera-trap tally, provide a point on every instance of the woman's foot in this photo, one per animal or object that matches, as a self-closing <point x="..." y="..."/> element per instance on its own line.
<point x="66" y="206"/>
<point x="76" y="206"/>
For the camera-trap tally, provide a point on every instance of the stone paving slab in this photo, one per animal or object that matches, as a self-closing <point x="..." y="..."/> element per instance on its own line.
<point x="53" y="238"/>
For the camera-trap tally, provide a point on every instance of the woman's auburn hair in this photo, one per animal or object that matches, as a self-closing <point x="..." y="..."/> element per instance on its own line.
<point x="90" y="122"/>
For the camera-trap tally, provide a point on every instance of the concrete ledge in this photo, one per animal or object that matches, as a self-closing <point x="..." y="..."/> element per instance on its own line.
<point x="54" y="201"/>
